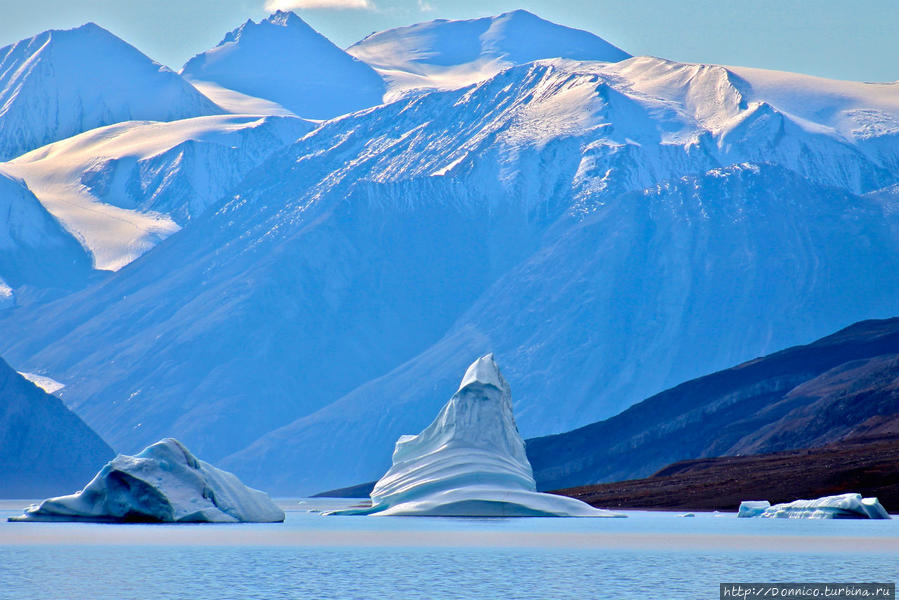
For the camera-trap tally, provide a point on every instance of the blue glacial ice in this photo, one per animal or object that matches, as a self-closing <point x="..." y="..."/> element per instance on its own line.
<point x="164" y="483"/>
<point x="843" y="506"/>
<point x="469" y="462"/>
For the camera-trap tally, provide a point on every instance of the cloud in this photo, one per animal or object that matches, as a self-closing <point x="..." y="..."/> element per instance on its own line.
<point x="274" y="5"/>
<point x="425" y="6"/>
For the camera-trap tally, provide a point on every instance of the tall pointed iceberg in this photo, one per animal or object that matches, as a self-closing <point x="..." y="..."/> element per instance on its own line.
<point x="470" y="461"/>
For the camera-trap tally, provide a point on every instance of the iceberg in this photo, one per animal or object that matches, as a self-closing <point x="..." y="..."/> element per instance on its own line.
<point x="164" y="483"/>
<point x="752" y="508"/>
<point x="470" y="462"/>
<point x="843" y="506"/>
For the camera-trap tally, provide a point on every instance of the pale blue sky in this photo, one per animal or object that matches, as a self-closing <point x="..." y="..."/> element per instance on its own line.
<point x="842" y="39"/>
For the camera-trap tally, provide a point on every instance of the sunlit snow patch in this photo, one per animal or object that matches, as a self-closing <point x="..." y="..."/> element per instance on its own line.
<point x="164" y="483"/>
<point x="469" y="462"/>
<point x="7" y="296"/>
<point x="123" y="188"/>
<point x="42" y="381"/>
<point x="238" y="103"/>
<point x="114" y="236"/>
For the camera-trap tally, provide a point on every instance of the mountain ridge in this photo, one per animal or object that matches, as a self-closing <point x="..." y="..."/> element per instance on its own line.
<point x="444" y="54"/>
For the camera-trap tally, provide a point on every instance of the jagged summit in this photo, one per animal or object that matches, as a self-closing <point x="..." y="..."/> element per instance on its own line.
<point x="62" y="82"/>
<point x="445" y="54"/>
<point x="280" y="18"/>
<point x="284" y="60"/>
<point x="285" y="18"/>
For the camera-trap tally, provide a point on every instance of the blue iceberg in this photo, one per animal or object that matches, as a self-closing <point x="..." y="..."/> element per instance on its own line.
<point x="843" y="506"/>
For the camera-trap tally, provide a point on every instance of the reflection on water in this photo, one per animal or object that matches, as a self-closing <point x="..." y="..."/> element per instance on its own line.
<point x="310" y="556"/>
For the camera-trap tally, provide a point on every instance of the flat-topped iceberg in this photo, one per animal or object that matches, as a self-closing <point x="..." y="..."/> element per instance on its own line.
<point x="469" y="462"/>
<point x="164" y="483"/>
<point x="843" y="506"/>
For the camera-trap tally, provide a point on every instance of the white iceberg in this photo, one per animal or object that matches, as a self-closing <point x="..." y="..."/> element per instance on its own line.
<point x="843" y="506"/>
<point x="469" y="462"/>
<point x="753" y="508"/>
<point x="164" y="483"/>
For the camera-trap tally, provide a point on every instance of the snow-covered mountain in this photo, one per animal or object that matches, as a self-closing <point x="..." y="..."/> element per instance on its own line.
<point x="284" y="60"/>
<point x="446" y="54"/>
<point x="608" y="228"/>
<point x="123" y="188"/>
<point x="62" y="82"/>
<point x="35" y="251"/>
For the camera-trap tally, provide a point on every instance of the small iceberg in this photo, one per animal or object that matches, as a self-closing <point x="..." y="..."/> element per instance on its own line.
<point x="470" y="462"/>
<point x="843" y="506"/>
<point x="752" y="508"/>
<point x="165" y="483"/>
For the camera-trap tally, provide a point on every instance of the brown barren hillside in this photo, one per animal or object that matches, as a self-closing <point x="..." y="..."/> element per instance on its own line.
<point x="868" y="465"/>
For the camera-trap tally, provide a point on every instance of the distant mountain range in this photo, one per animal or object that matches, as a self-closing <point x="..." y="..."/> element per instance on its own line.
<point x="287" y="295"/>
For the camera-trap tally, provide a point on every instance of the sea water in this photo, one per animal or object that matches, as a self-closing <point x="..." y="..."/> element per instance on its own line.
<point x="647" y="555"/>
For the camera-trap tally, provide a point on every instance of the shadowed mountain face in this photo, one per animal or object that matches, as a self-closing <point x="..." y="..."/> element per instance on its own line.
<point x="843" y="386"/>
<point x="45" y="449"/>
<point x="35" y="250"/>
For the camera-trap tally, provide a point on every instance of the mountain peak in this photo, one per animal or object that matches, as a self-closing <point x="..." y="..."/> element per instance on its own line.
<point x="284" y="60"/>
<point x="519" y="13"/>
<point x="281" y="21"/>
<point x="284" y="18"/>
<point x="90" y="26"/>
<point x="62" y="82"/>
<point x="447" y="54"/>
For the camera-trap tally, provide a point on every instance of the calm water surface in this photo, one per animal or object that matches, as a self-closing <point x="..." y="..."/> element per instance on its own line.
<point x="648" y="555"/>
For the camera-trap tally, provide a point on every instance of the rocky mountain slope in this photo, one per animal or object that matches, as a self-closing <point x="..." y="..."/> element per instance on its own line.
<point x="842" y="386"/>
<point x="865" y="465"/>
